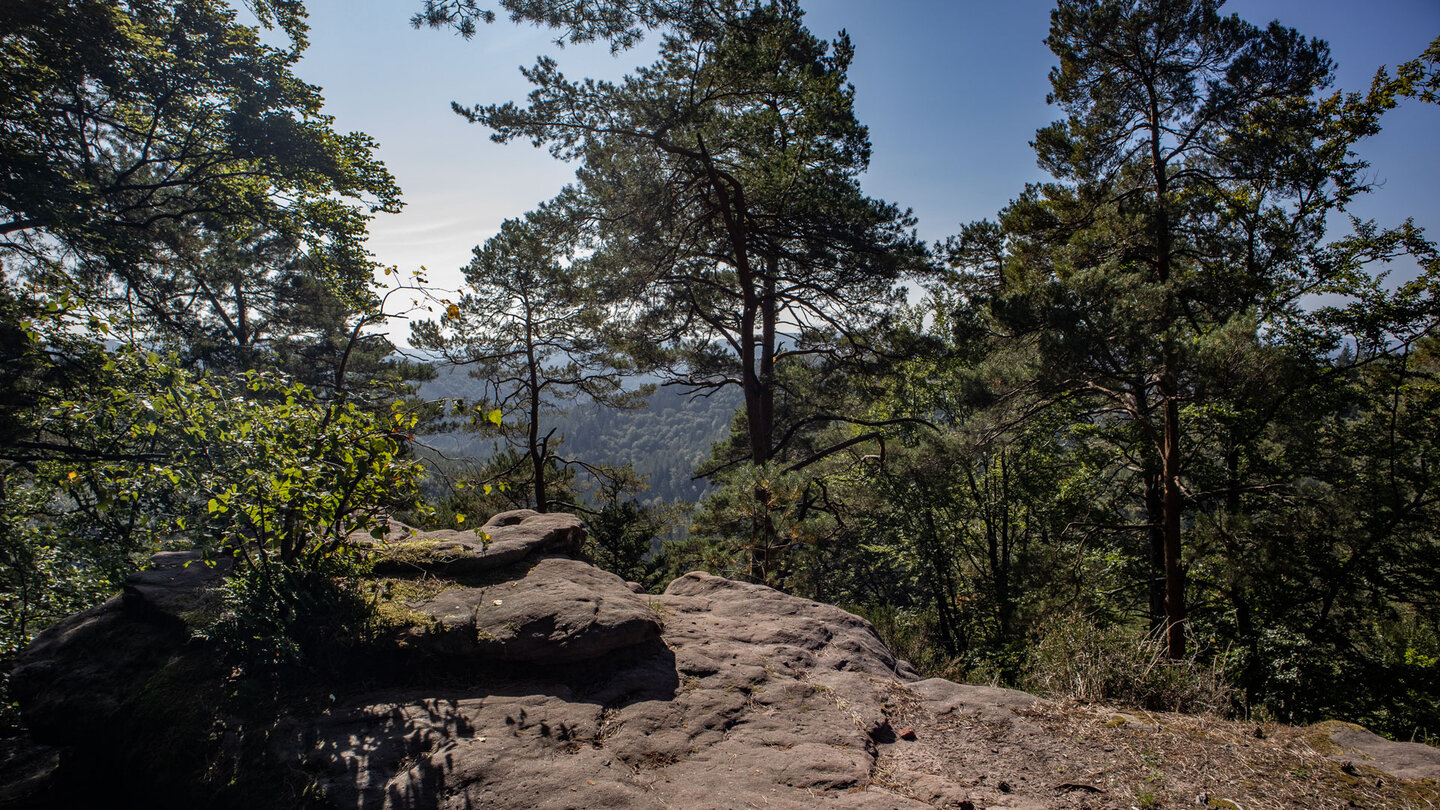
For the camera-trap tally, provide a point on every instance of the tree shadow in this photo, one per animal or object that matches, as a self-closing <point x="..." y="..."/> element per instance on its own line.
<point x="400" y="758"/>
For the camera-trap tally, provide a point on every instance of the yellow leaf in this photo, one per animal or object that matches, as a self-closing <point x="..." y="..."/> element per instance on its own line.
<point x="74" y="475"/>
<point x="494" y="416"/>
<point x="452" y="311"/>
<point x="459" y="518"/>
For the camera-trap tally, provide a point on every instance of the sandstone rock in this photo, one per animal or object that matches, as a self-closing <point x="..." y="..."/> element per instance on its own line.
<point x="936" y="791"/>
<point x="753" y="697"/>
<point x="1403" y="760"/>
<point x="559" y="611"/>
<point x="531" y="680"/>
<point x="790" y="634"/>
<point x="504" y="540"/>
<point x="179" y="584"/>
<point x="65" y="677"/>
<point x="993" y="703"/>
<point x="76" y="674"/>
<point x="25" y="772"/>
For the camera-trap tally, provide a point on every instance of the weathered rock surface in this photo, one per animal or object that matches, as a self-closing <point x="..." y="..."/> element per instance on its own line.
<point x="77" y="674"/>
<point x="531" y="680"/>
<point x="560" y="610"/>
<point x="504" y="540"/>
<point x="1359" y="746"/>
<point x="178" y="584"/>
<point x="753" y="697"/>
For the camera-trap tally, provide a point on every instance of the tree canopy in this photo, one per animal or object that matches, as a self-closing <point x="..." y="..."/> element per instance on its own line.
<point x="718" y="191"/>
<point x="169" y="174"/>
<point x="1194" y="174"/>
<point x="180" y="224"/>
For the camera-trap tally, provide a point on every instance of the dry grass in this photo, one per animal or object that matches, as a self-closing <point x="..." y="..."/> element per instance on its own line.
<point x="1074" y="659"/>
<point x="1189" y="761"/>
<point x="1076" y="754"/>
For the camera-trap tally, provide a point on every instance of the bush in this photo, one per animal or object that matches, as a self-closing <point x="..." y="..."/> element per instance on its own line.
<point x="282" y="616"/>
<point x="154" y="455"/>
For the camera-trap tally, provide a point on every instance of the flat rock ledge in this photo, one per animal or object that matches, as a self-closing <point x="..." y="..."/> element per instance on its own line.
<point x="504" y="594"/>
<point x="504" y="540"/>
<point x="1359" y="746"/>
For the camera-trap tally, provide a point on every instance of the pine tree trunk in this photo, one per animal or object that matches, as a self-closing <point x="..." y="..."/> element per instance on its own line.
<point x="1155" y="536"/>
<point x="1174" y="575"/>
<point x="1170" y="459"/>
<point x="537" y="449"/>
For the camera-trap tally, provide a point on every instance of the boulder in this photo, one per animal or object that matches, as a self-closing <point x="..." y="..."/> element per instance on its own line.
<point x="747" y="697"/>
<point x="74" y="677"/>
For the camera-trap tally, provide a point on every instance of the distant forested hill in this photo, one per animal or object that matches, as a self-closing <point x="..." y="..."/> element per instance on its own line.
<point x="665" y="441"/>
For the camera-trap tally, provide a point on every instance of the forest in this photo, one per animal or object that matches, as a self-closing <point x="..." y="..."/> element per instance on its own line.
<point x="1163" y="431"/>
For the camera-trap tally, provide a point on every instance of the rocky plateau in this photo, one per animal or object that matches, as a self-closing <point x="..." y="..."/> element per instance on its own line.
<point x="527" y="678"/>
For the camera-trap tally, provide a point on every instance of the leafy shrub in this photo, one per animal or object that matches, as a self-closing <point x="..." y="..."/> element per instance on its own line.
<point x="1390" y="682"/>
<point x="254" y="465"/>
<point x="289" y="475"/>
<point x="281" y="616"/>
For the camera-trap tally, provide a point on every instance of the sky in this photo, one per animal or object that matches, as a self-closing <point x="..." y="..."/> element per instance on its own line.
<point x="952" y="91"/>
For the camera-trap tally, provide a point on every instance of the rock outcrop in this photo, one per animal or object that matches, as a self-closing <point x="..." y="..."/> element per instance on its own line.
<point x="512" y="592"/>
<point x="80" y="675"/>
<point x="528" y="678"/>
<point x="753" y="696"/>
<point x="506" y="539"/>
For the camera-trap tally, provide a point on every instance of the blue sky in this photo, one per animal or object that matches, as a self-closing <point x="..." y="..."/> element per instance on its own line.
<point x="952" y="92"/>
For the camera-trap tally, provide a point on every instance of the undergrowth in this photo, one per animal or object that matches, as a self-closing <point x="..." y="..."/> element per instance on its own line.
<point x="1073" y="658"/>
<point x="1069" y="657"/>
<point x="278" y="616"/>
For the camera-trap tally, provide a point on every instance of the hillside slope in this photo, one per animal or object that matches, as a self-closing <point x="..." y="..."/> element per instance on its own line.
<point x="666" y="441"/>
